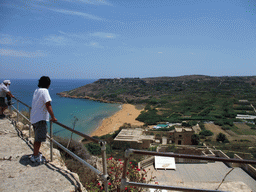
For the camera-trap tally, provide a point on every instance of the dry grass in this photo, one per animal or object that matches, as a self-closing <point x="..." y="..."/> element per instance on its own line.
<point x="240" y="132"/>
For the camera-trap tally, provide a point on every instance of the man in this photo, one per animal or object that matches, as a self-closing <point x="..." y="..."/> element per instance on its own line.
<point x="4" y="91"/>
<point x="41" y="108"/>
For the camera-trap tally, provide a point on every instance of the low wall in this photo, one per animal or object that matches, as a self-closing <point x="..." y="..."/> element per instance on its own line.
<point x="247" y="167"/>
<point x="219" y="153"/>
<point x="146" y="163"/>
<point x="187" y="161"/>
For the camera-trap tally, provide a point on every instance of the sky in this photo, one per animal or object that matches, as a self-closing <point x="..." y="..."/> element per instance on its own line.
<point x="92" y="39"/>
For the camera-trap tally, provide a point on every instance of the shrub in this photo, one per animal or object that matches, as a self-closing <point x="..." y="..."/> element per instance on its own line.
<point x="192" y="123"/>
<point x="147" y="108"/>
<point x="171" y="148"/>
<point x="175" y="115"/>
<point x="219" y="122"/>
<point x="152" y="148"/>
<point x="115" y="167"/>
<point x="115" y="170"/>
<point x="195" y="139"/>
<point x="222" y="138"/>
<point x="201" y="125"/>
<point x="226" y="127"/>
<point x="228" y="122"/>
<point x="150" y="117"/>
<point x="93" y="148"/>
<point x="184" y="124"/>
<point x="230" y="154"/>
<point x="119" y="145"/>
<point x="206" y="133"/>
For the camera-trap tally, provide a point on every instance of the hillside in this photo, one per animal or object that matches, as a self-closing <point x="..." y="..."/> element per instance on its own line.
<point x="173" y="99"/>
<point x="163" y="89"/>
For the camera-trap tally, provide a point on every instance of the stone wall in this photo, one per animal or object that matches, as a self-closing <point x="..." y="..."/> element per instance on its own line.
<point x="247" y="167"/>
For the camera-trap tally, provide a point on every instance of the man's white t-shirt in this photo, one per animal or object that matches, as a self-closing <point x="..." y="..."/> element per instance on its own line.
<point x="3" y="90"/>
<point x="39" y="112"/>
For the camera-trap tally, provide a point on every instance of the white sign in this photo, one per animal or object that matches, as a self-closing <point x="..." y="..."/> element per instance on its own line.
<point x="164" y="162"/>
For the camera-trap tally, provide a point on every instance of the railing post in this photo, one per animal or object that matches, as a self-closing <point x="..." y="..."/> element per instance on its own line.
<point x="29" y="111"/>
<point x="128" y="153"/>
<point x="17" y="112"/>
<point x="10" y="110"/>
<point x="51" y="143"/>
<point x="104" y="161"/>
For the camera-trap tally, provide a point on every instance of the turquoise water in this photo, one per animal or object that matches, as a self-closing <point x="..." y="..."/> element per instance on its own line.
<point x="89" y="113"/>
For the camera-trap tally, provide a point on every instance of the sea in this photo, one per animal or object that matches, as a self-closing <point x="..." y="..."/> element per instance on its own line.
<point x="81" y="114"/>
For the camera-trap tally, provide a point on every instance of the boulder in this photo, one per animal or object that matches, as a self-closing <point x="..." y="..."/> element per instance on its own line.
<point x="20" y="125"/>
<point x="26" y="127"/>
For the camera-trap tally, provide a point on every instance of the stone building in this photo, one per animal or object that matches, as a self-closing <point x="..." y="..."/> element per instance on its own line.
<point x="136" y="138"/>
<point x="182" y="136"/>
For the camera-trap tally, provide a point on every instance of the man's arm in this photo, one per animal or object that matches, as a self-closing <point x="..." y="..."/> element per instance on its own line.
<point x="9" y="93"/>
<point x="49" y="109"/>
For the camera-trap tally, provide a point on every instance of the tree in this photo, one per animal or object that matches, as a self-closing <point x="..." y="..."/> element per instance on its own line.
<point x="185" y="124"/>
<point x="222" y="137"/>
<point x="206" y="133"/>
<point x="195" y="139"/>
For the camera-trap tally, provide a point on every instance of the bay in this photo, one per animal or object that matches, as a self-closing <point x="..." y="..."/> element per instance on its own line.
<point x="88" y="113"/>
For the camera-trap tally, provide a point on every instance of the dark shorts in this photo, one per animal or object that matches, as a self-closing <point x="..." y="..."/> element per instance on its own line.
<point x="40" y="129"/>
<point x="2" y="102"/>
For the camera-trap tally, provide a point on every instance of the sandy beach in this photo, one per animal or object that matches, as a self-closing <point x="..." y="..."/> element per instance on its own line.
<point x="127" y="114"/>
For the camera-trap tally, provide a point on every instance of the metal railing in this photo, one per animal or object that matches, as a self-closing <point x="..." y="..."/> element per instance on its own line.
<point x="104" y="176"/>
<point x="11" y="108"/>
<point x="130" y="152"/>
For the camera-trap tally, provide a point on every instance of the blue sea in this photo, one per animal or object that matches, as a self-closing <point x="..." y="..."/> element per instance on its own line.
<point x="89" y="113"/>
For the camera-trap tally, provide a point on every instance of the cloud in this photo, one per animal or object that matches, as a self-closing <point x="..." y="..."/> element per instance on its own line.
<point x="73" y="35"/>
<point x="77" y="13"/>
<point x="93" y="2"/>
<point x="94" y="44"/>
<point x="6" y="39"/>
<point x="62" y="32"/>
<point x="14" y="53"/>
<point x="103" y="35"/>
<point x="55" y="40"/>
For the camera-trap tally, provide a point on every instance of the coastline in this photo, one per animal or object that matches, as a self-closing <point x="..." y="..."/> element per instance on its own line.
<point x="63" y="94"/>
<point x="127" y="114"/>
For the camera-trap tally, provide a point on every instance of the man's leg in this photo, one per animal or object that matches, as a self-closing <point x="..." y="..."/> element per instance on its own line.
<point x="2" y="110"/>
<point x="3" y="105"/>
<point x="40" y="129"/>
<point x="37" y="146"/>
